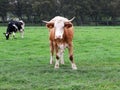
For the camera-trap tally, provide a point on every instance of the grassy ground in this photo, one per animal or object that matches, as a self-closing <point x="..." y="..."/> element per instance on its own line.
<point x="24" y="63"/>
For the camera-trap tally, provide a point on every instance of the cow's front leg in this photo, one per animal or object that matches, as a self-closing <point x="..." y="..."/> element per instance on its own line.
<point x="61" y="53"/>
<point x="57" y="62"/>
<point x="57" y="57"/>
<point x="62" y="58"/>
<point x="51" y="59"/>
<point x="22" y="33"/>
<point x="74" y="67"/>
<point x="51" y="52"/>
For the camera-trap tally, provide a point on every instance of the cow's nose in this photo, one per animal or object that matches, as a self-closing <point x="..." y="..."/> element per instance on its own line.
<point x="58" y="37"/>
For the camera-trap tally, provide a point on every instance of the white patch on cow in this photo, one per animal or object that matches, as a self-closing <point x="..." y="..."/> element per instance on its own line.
<point x="62" y="58"/>
<point x="66" y="45"/>
<point x="61" y="49"/>
<point x="57" y="64"/>
<point x="51" y="59"/>
<point x="61" y="52"/>
<point x="15" y="26"/>
<point x="60" y="55"/>
<point x="21" y="30"/>
<point x="59" y="29"/>
<point x="63" y="46"/>
<point x="59" y="18"/>
<point x="74" y="67"/>
<point x="23" y="25"/>
<point x="59" y="26"/>
<point x="6" y="34"/>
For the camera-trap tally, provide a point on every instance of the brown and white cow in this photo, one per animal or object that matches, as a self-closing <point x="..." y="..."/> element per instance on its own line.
<point x="60" y="36"/>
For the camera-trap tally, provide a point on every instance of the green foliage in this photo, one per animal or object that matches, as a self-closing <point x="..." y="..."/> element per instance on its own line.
<point x="24" y="63"/>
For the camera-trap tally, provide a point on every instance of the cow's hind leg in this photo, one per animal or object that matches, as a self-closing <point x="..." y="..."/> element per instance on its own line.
<point x="70" y="48"/>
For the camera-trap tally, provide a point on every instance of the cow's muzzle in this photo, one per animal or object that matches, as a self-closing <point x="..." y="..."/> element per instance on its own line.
<point x="58" y="37"/>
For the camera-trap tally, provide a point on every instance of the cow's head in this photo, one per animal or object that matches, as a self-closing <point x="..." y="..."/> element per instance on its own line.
<point x="22" y="25"/>
<point x="6" y="35"/>
<point x="59" y="24"/>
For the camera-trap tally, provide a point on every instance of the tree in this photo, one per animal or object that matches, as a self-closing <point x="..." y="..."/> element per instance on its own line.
<point x="4" y="4"/>
<point x="85" y="11"/>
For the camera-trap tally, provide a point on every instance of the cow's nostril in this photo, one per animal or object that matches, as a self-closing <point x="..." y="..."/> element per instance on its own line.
<point x="58" y="37"/>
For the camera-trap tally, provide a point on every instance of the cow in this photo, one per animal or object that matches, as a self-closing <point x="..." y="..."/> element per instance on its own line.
<point x="13" y="27"/>
<point x="60" y="37"/>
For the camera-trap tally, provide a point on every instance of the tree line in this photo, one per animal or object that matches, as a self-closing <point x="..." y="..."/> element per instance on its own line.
<point x="87" y="12"/>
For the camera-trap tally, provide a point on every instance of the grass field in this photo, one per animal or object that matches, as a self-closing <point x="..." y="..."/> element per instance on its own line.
<point x="24" y="63"/>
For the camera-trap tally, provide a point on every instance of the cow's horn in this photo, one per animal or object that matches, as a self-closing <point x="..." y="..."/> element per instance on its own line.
<point x="72" y="19"/>
<point x="45" y="21"/>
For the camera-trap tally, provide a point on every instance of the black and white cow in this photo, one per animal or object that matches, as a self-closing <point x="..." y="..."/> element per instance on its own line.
<point x="13" y="27"/>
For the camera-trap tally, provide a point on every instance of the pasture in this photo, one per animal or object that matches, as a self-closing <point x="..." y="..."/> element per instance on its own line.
<point x="24" y="63"/>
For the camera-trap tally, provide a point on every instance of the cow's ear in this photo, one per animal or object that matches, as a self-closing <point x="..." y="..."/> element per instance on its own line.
<point x="68" y="24"/>
<point x="50" y="25"/>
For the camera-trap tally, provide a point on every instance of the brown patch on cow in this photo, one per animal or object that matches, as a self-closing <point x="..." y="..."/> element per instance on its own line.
<point x="50" y="25"/>
<point x="71" y="58"/>
<point x="68" y="24"/>
<point x="57" y="57"/>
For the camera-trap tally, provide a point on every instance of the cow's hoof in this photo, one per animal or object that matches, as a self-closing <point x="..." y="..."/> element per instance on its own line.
<point x="56" y="66"/>
<point x="51" y="62"/>
<point x="62" y="62"/>
<point x="74" y="67"/>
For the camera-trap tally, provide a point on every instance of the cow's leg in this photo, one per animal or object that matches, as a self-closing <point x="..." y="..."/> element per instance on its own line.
<point x="57" y="62"/>
<point x="62" y="58"/>
<point x="51" y="58"/>
<point x="22" y="33"/>
<point x="61" y="53"/>
<point x="70" y="48"/>
<point x="57" y="57"/>
<point x="13" y="34"/>
<point x="51" y="52"/>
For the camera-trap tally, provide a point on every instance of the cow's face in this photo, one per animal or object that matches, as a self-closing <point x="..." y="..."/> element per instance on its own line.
<point x="6" y="35"/>
<point x="59" y="27"/>
<point x="59" y="24"/>
<point x="22" y="25"/>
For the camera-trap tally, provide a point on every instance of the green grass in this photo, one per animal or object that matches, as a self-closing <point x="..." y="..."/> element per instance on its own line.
<point x="24" y="63"/>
